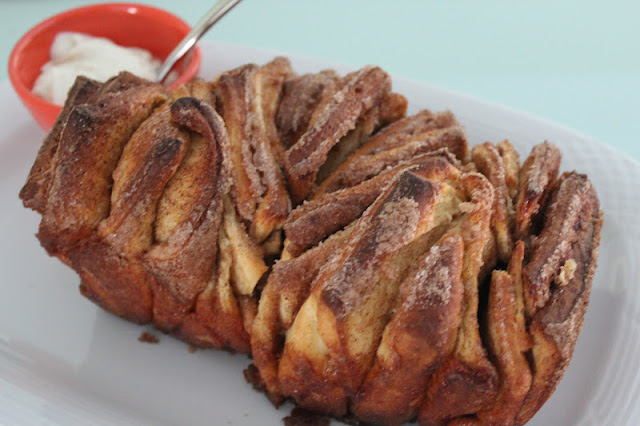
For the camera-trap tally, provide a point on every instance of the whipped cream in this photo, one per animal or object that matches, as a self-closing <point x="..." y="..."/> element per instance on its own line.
<point x="74" y="54"/>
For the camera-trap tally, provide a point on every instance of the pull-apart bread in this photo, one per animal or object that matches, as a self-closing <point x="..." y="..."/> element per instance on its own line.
<point x="375" y="266"/>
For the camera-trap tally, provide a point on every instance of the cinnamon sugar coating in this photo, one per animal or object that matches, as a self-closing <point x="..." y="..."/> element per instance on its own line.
<point x="247" y="100"/>
<point x="353" y="112"/>
<point x="376" y="268"/>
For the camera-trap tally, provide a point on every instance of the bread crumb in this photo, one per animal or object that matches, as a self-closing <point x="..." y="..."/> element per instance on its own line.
<point x="566" y="272"/>
<point x="147" y="337"/>
<point x="301" y="417"/>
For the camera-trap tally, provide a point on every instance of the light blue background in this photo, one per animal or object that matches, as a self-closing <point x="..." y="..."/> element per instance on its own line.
<point x="574" y="62"/>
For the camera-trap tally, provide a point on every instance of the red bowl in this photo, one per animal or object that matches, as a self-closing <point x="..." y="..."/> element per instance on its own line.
<point x="126" y="24"/>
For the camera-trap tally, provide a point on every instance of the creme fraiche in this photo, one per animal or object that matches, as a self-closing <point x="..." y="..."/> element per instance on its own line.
<point x="98" y="58"/>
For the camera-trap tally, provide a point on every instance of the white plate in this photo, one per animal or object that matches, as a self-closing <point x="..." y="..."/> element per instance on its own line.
<point x="63" y="360"/>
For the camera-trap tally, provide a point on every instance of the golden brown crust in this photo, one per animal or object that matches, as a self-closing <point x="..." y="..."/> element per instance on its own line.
<point x="511" y="162"/>
<point x="112" y="281"/>
<point x="420" y="334"/>
<point x="572" y="207"/>
<point x="148" y="162"/>
<point x="35" y="191"/>
<point x="196" y="88"/>
<point x="270" y="91"/>
<point x="398" y="142"/>
<point x="394" y="109"/>
<point x="231" y="97"/>
<point x="406" y="129"/>
<point x="275" y="204"/>
<point x="385" y="305"/>
<point x="353" y="295"/>
<point x="184" y="260"/>
<point x="538" y="173"/>
<point x="508" y="342"/>
<point x="78" y="198"/>
<point x="390" y="109"/>
<point x="287" y="288"/>
<point x="144" y="239"/>
<point x="247" y="99"/>
<point x="314" y="220"/>
<point x="489" y="161"/>
<point x="452" y="139"/>
<point x="289" y="283"/>
<point x="466" y="382"/>
<point x="361" y="91"/>
<point x="560" y="273"/>
<point x="300" y="99"/>
<point x="217" y="319"/>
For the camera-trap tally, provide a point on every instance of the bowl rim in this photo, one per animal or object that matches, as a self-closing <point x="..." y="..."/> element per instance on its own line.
<point x="16" y="54"/>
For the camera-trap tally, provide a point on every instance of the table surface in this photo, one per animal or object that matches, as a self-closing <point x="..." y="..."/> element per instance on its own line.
<point x="574" y="62"/>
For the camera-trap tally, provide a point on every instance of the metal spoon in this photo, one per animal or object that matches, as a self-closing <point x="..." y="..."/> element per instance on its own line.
<point x="218" y="11"/>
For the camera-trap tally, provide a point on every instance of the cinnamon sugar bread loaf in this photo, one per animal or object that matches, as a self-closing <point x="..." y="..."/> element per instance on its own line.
<point x="375" y="267"/>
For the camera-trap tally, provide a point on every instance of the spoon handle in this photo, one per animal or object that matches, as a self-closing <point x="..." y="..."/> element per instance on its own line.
<point x="217" y="11"/>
